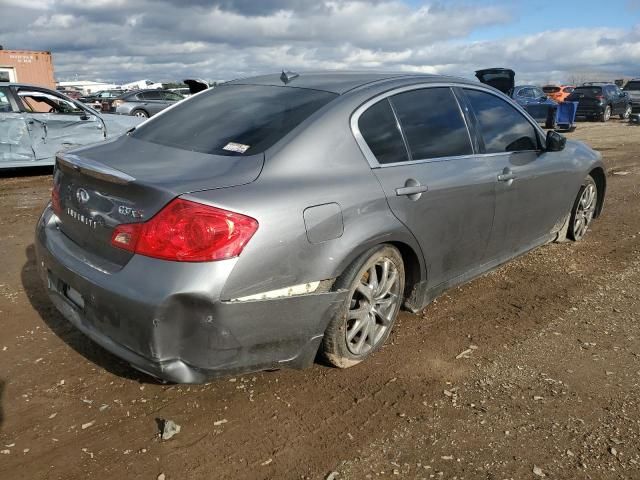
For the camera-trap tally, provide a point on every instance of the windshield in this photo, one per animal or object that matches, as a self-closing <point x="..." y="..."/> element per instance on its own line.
<point x="633" y="85"/>
<point x="234" y="119"/>
<point x="551" y="89"/>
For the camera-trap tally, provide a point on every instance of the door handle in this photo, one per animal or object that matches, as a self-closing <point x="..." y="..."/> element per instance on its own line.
<point x="411" y="190"/>
<point x="506" y="176"/>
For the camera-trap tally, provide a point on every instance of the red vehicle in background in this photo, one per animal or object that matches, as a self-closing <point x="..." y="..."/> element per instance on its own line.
<point x="558" y="92"/>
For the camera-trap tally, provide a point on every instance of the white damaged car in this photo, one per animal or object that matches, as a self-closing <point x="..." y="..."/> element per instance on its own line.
<point x="36" y="123"/>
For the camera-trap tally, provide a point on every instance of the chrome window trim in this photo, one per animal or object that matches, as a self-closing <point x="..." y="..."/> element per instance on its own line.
<point x="364" y="147"/>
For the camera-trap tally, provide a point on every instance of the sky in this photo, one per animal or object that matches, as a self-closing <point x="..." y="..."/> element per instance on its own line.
<point x="166" y="40"/>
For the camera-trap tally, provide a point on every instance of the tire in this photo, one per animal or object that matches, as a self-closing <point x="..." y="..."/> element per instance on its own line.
<point x="626" y="114"/>
<point x="140" y="113"/>
<point x="606" y="114"/>
<point x="583" y="210"/>
<point x="363" y="322"/>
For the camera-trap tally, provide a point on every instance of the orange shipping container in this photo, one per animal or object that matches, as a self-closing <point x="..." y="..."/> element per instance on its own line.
<point x="27" y="66"/>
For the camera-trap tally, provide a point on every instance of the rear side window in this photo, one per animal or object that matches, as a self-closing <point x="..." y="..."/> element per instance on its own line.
<point x="633" y="85"/>
<point x="503" y="128"/>
<point x="379" y="129"/>
<point x="588" y="91"/>
<point x="234" y="120"/>
<point x="432" y="123"/>
<point x="151" y="95"/>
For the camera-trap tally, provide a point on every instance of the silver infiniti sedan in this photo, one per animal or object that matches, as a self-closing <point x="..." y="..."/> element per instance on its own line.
<point x="260" y="223"/>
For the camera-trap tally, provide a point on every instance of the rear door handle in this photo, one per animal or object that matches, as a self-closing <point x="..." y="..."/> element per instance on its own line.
<point x="506" y="176"/>
<point x="411" y="190"/>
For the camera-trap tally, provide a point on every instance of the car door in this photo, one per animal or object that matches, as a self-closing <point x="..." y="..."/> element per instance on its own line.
<point x="15" y="142"/>
<point x="418" y="144"/>
<point x="154" y="101"/>
<point x="621" y="99"/>
<point x="532" y="186"/>
<point x="56" y="123"/>
<point x="540" y="105"/>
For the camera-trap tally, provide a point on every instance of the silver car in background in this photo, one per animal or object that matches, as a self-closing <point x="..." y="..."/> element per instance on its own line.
<point x="271" y="218"/>
<point x="144" y="103"/>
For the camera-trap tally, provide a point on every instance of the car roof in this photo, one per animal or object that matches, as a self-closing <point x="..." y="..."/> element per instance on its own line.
<point x="338" y="82"/>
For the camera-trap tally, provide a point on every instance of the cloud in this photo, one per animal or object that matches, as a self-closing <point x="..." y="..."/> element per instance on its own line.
<point x="119" y="40"/>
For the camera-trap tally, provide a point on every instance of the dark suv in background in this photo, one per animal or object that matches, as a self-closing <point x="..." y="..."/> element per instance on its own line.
<point x="600" y="101"/>
<point x="632" y="88"/>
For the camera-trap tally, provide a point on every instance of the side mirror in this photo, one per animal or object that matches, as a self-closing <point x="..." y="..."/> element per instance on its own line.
<point x="555" y="141"/>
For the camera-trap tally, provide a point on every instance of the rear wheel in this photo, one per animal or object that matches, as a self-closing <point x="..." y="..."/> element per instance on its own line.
<point x="606" y="114"/>
<point x="583" y="210"/>
<point x="627" y="113"/>
<point x="375" y="287"/>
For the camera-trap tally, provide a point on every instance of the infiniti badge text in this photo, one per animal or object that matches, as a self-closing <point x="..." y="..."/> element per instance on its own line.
<point x="82" y="218"/>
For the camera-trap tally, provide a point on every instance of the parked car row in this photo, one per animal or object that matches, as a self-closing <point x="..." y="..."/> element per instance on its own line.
<point x="596" y="100"/>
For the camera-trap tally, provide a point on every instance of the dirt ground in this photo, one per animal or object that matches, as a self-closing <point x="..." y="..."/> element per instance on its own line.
<point x="550" y="385"/>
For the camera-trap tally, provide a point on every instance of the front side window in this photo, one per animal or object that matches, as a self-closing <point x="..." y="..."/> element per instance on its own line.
<point x="379" y="129"/>
<point x="432" y="123"/>
<point x="172" y="96"/>
<point x="234" y="120"/>
<point x="36" y="101"/>
<point x="503" y="128"/>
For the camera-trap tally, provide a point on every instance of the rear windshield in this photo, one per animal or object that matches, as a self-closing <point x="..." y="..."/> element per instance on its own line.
<point x="234" y="119"/>
<point x="588" y="91"/>
<point x="550" y="89"/>
<point x="632" y="86"/>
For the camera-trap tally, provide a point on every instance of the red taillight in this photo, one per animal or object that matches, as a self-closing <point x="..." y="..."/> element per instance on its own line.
<point x="186" y="231"/>
<point x="55" y="199"/>
<point x="600" y="97"/>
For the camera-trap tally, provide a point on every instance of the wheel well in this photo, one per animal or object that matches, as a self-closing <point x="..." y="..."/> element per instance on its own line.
<point x="601" y="183"/>
<point x="411" y="267"/>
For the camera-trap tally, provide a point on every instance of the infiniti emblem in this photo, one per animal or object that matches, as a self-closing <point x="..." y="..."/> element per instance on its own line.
<point x="82" y="196"/>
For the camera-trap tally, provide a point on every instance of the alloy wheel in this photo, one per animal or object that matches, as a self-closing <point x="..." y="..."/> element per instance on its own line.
<point x="373" y="306"/>
<point x="584" y="211"/>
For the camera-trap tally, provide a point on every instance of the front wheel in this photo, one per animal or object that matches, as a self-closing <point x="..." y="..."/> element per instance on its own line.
<point x="626" y="114"/>
<point x="583" y="210"/>
<point x="375" y="287"/>
<point x="140" y="114"/>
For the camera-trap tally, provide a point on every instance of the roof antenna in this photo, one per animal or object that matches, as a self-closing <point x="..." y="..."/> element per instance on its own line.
<point x="287" y="76"/>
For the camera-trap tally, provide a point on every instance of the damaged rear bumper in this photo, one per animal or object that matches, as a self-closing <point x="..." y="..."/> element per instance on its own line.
<point x="166" y="318"/>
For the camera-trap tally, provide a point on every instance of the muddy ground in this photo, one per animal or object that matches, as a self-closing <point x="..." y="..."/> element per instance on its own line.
<point x="552" y="389"/>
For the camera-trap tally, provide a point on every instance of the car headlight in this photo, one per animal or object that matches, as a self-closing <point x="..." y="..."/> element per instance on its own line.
<point x="117" y="103"/>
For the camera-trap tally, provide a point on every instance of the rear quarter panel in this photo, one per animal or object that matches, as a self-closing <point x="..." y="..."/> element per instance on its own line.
<point x="311" y="166"/>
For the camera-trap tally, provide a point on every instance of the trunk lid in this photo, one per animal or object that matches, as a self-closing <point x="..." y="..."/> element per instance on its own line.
<point x="586" y="96"/>
<point x="501" y="78"/>
<point x="130" y="180"/>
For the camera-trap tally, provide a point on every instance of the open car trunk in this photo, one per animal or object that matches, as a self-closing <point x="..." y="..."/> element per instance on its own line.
<point x="501" y="78"/>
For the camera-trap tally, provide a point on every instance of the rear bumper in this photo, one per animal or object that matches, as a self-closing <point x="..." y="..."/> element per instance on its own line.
<point x="166" y="318"/>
